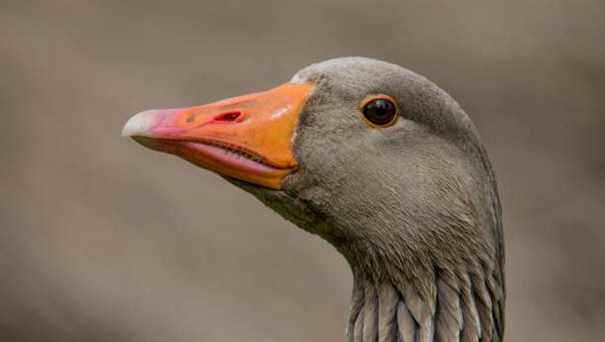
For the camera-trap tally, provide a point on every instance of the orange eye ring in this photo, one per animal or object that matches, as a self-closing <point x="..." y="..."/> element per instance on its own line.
<point x="379" y="111"/>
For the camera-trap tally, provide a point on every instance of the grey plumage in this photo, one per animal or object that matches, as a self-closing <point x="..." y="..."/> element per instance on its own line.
<point x="388" y="300"/>
<point x="414" y="208"/>
<point x="406" y="325"/>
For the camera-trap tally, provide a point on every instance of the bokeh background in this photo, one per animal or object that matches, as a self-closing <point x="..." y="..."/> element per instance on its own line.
<point x="102" y="240"/>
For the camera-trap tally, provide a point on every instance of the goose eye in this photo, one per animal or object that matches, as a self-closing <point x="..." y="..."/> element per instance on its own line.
<point x="380" y="111"/>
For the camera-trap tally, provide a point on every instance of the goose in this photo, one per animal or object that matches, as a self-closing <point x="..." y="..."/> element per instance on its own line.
<point x="386" y="167"/>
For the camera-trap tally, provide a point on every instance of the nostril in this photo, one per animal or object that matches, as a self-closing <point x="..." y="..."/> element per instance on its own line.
<point x="228" y="117"/>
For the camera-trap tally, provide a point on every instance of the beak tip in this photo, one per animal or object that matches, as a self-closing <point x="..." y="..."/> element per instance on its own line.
<point x="140" y="124"/>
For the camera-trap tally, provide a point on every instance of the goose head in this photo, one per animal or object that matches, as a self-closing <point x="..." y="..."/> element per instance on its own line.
<point x="385" y="166"/>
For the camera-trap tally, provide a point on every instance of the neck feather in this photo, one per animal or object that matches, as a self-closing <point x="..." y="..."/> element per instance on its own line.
<point x="459" y="307"/>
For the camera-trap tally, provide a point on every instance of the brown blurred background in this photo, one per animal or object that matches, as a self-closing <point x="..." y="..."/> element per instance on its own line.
<point x="102" y="240"/>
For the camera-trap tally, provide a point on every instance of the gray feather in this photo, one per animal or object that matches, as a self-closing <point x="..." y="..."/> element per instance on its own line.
<point x="358" y="330"/>
<point x="449" y="313"/>
<point x="484" y="308"/>
<point x="472" y="325"/>
<point x="357" y="302"/>
<point x="370" y="315"/>
<point x="405" y="323"/>
<point x="388" y="299"/>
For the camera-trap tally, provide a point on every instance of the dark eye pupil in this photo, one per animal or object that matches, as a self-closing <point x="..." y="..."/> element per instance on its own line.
<point x="380" y="111"/>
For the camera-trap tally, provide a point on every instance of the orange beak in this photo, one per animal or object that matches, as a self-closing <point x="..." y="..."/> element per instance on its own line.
<point x="248" y="137"/>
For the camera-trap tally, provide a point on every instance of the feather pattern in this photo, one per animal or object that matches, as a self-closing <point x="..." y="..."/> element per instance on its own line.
<point x="358" y="330"/>
<point x="466" y="310"/>
<point x="471" y="331"/>
<point x="484" y="308"/>
<point x="449" y="314"/>
<point x="370" y="308"/>
<point x="355" y="310"/>
<point x="406" y="326"/>
<point x="388" y="299"/>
